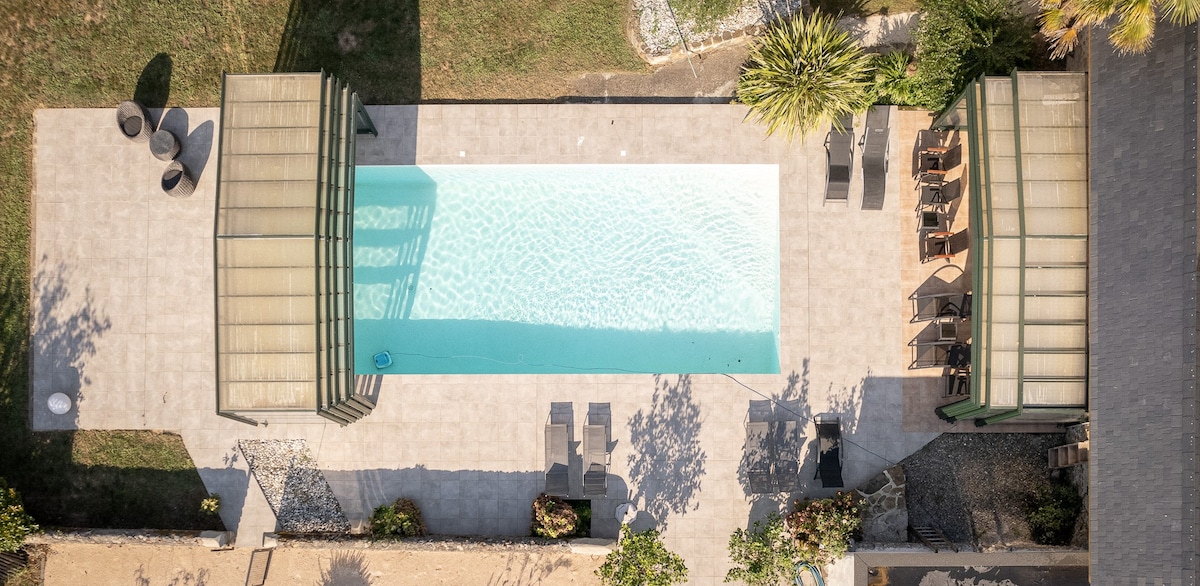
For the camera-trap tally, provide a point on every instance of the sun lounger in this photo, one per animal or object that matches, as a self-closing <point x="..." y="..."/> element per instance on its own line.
<point x="839" y="158"/>
<point x="595" y="460"/>
<point x="787" y="441"/>
<point x="829" y="452"/>
<point x="758" y="457"/>
<point x="557" y="460"/>
<point x="931" y="354"/>
<point x="874" y="157"/>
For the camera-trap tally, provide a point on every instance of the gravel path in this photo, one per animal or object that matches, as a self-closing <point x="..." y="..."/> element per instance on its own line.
<point x="659" y="31"/>
<point x="974" y="485"/>
<point x="297" y="491"/>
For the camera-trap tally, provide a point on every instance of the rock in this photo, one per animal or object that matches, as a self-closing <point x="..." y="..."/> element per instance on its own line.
<point x="591" y="546"/>
<point x="214" y="539"/>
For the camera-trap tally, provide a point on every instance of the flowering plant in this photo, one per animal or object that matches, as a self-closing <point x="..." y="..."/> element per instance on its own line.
<point x="823" y="528"/>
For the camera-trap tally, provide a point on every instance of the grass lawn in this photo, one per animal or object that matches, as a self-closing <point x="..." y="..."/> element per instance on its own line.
<point x="90" y="53"/>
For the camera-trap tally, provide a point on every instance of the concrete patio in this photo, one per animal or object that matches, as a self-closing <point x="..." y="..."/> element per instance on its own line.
<point x="124" y="323"/>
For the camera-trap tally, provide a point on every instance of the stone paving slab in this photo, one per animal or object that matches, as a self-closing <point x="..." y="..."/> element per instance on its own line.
<point x="124" y="321"/>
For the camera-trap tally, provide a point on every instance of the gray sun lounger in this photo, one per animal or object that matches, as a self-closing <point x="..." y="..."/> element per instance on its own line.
<point x="787" y="455"/>
<point x="758" y="457"/>
<point x="874" y="157"/>
<point x="939" y="305"/>
<point x="829" y="452"/>
<point x="557" y="462"/>
<point x="839" y="158"/>
<point x="595" y="460"/>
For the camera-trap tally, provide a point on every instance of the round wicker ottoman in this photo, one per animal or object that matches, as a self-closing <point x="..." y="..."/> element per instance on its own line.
<point x="134" y="121"/>
<point x="164" y="145"/>
<point x="177" y="180"/>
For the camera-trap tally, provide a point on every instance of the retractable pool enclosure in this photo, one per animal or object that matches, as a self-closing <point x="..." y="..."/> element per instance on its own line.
<point x="1028" y="192"/>
<point x="283" y="247"/>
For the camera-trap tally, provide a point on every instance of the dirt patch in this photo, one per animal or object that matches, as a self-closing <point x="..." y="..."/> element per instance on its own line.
<point x="98" y="565"/>
<point x="975" y="487"/>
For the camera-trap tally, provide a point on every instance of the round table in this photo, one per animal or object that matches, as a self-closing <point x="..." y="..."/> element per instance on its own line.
<point x="164" y="145"/>
<point x="59" y="403"/>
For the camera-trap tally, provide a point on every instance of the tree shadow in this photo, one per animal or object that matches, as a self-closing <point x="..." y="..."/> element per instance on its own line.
<point x="375" y="46"/>
<point x="154" y="84"/>
<point x="66" y="326"/>
<point x="346" y="568"/>
<point x="790" y="404"/>
<point x="667" y="463"/>
<point x="523" y="570"/>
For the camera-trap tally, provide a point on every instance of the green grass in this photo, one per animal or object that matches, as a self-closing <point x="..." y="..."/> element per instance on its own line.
<point x="91" y="53"/>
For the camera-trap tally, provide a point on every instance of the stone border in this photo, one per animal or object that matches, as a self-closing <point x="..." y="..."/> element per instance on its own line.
<point x="725" y="39"/>
<point x="117" y="537"/>
<point x="429" y="543"/>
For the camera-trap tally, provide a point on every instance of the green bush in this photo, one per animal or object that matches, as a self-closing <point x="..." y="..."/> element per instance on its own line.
<point x="764" y="556"/>
<point x="401" y="518"/>
<point x="641" y="559"/>
<point x="211" y="505"/>
<point x="893" y="85"/>
<point x="1052" y="513"/>
<point x="959" y="40"/>
<point x="553" y="518"/>
<point x="805" y="72"/>
<point x="15" y="523"/>
<point x="823" y="528"/>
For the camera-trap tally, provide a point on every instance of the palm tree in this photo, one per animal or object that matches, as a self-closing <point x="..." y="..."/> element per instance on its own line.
<point x="804" y="72"/>
<point x="1062" y="21"/>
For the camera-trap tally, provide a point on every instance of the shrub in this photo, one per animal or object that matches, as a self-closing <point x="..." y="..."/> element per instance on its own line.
<point x="805" y="72"/>
<point x="401" y="518"/>
<point x="641" y="559"/>
<point x="212" y="505"/>
<point x="893" y="84"/>
<point x="1052" y="513"/>
<point x="15" y="523"/>
<point x="553" y="518"/>
<point x="764" y="556"/>
<point x="823" y="528"/>
<point x="959" y="40"/>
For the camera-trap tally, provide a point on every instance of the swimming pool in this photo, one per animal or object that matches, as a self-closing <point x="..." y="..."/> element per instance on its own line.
<point x="489" y="269"/>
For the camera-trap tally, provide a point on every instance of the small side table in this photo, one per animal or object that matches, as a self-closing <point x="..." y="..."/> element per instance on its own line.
<point x="164" y="145"/>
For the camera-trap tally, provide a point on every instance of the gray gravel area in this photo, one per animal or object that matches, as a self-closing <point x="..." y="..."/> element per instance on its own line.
<point x="660" y="30"/>
<point x="295" y="488"/>
<point x="974" y="486"/>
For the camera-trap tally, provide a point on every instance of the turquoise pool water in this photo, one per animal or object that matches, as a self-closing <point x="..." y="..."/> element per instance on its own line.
<point x="489" y="269"/>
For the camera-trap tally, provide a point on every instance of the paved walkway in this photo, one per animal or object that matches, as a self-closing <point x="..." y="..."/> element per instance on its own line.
<point x="124" y="323"/>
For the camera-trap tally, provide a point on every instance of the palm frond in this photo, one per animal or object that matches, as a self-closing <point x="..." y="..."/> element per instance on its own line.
<point x="1134" y="31"/>
<point x="805" y="72"/>
<point x="1181" y="11"/>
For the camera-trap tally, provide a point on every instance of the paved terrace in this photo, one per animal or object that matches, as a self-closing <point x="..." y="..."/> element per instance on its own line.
<point x="123" y="322"/>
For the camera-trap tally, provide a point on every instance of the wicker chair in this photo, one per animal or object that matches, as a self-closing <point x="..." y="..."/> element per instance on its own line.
<point x="134" y="121"/>
<point x="177" y="180"/>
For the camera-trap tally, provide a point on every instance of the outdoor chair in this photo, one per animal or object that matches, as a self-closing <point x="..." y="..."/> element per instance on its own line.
<point x="787" y="442"/>
<point x="874" y="146"/>
<point x="932" y="198"/>
<point x="758" y="457"/>
<point x="557" y="460"/>
<point x="595" y="460"/>
<point x="134" y="121"/>
<point x="839" y="158"/>
<point x="177" y="180"/>
<point x="934" y="354"/>
<point x="829" y="451"/>
<point x="958" y="381"/>
<point x="935" y="246"/>
<point x="938" y="305"/>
